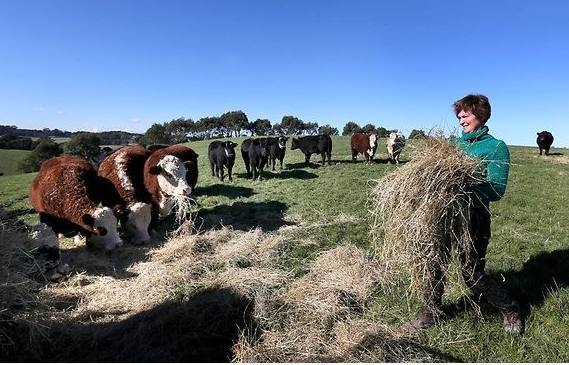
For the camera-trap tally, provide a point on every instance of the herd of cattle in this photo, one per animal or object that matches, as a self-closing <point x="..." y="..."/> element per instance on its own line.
<point x="136" y="185"/>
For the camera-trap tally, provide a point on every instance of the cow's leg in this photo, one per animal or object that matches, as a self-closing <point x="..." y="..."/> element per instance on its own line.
<point x="247" y="163"/>
<point x="273" y="160"/>
<point x="323" y="154"/>
<point x="540" y="151"/>
<point x="229" y="172"/>
<point x="307" y="158"/>
<point x="212" y="168"/>
<point x="547" y="151"/>
<point x="354" y="155"/>
<point x="281" y="161"/>
<point x="221" y="172"/>
<point x="329" y="155"/>
<point x="253" y="171"/>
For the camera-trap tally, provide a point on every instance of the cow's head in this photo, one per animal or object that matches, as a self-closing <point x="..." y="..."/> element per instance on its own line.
<point x="136" y="222"/>
<point x="171" y="175"/>
<point x="294" y="144"/>
<point x="102" y="224"/>
<point x="229" y="149"/>
<point x="373" y="141"/>
<point x="282" y="142"/>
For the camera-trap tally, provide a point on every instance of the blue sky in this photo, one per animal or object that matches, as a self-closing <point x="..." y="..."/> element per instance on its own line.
<point x="118" y="64"/>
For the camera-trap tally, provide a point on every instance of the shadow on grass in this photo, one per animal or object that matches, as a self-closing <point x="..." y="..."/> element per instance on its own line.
<point x="291" y="174"/>
<point x="244" y="216"/>
<point x="554" y="154"/>
<point x="380" y="161"/>
<point x="541" y="276"/>
<point x="202" y="328"/>
<point x="227" y="190"/>
<point x="303" y="165"/>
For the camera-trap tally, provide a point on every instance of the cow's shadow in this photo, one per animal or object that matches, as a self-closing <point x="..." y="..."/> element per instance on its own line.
<point x="303" y="165"/>
<point x="554" y="154"/>
<point x="227" y="190"/>
<point x="291" y="174"/>
<point x="540" y="277"/>
<point x="244" y="216"/>
<point x="202" y="328"/>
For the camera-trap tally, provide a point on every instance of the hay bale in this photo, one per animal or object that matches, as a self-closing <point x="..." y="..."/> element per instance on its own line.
<point x="340" y="280"/>
<point x="423" y="206"/>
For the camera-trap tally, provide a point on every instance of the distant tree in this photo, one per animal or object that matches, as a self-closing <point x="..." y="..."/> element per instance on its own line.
<point x="13" y="142"/>
<point x="309" y="128"/>
<point x="156" y="134"/>
<point x="84" y="145"/>
<point x="417" y="133"/>
<point x="260" y="127"/>
<point x="350" y="128"/>
<point x="369" y="128"/>
<point x="291" y="125"/>
<point x="179" y="129"/>
<point x="278" y="130"/>
<point x="381" y="132"/>
<point x="328" y="129"/>
<point x="45" y="150"/>
<point x="234" y="122"/>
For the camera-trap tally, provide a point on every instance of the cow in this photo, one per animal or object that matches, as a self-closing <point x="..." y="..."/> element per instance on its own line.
<point x="169" y="173"/>
<point x="221" y="154"/>
<point x="255" y="153"/>
<point x="321" y="144"/>
<point x="125" y="170"/>
<point x="395" y="143"/>
<point x="67" y="193"/>
<point x="365" y="144"/>
<point x="277" y="149"/>
<point x="544" y="142"/>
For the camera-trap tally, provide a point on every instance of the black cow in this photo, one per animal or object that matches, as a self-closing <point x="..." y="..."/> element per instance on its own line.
<point x="221" y="153"/>
<point x="321" y="144"/>
<point x="277" y="149"/>
<point x="544" y="141"/>
<point x="255" y="153"/>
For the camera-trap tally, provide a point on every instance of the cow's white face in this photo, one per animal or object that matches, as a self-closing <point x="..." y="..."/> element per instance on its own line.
<point x="372" y="141"/>
<point x="105" y="226"/>
<point x="172" y="177"/>
<point x="137" y="223"/>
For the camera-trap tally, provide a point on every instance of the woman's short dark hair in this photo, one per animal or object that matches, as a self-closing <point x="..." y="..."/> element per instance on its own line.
<point x="476" y="104"/>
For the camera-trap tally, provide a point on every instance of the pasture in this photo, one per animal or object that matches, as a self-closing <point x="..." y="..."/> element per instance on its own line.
<point x="10" y="159"/>
<point x="317" y="208"/>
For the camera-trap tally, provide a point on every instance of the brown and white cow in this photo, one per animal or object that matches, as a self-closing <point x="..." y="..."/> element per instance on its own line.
<point x="170" y="172"/>
<point x="365" y="144"/>
<point x="67" y="193"/>
<point x="395" y="143"/>
<point x="125" y="170"/>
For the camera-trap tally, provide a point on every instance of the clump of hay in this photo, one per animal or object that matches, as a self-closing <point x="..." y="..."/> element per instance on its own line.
<point x="423" y="206"/>
<point x="339" y="280"/>
<point x="184" y="208"/>
<point x="250" y="248"/>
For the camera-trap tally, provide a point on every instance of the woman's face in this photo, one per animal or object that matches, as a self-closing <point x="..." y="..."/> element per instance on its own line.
<point x="468" y="121"/>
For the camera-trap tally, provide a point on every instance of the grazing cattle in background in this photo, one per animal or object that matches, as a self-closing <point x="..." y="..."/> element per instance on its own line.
<point x="395" y="143"/>
<point x="170" y="172"/>
<point x="277" y="150"/>
<point x="221" y="154"/>
<point x="125" y="170"/>
<point x="544" y="141"/>
<point x="321" y="144"/>
<point x="255" y="153"/>
<point x="67" y="192"/>
<point x="365" y="144"/>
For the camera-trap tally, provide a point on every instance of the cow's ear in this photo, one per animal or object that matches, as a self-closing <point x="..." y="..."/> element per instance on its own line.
<point x="537" y="133"/>
<point x="155" y="170"/>
<point x="88" y="219"/>
<point x="197" y="155"/>
<point x="234" y="144"/>
<point x="188" y="163"/>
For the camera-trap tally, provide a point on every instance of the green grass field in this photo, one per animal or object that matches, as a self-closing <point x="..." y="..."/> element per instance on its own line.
<point x="9" y="160"/>
<point x="529" y="248"/>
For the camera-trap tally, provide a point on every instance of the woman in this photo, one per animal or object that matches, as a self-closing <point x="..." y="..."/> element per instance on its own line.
<point x="473" y="111"/>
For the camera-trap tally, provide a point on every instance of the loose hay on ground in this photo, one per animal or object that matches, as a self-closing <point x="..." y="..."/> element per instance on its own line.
<point x="421" y="207"/>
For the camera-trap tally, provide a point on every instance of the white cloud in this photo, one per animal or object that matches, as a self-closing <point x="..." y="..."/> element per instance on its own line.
<point x="135" y="120"/>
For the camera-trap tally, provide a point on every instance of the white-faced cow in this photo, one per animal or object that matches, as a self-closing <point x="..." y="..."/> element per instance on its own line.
<point x="365" y="144"/>
<point x="67" y="194"/>
<point x="170" y="172"/>
<point x="221" y="154"/>
<point x="395" y="143"/>
<point x="544" y="141"/>
<point x="125" y="170"/>
<point x="309" y="145"/>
